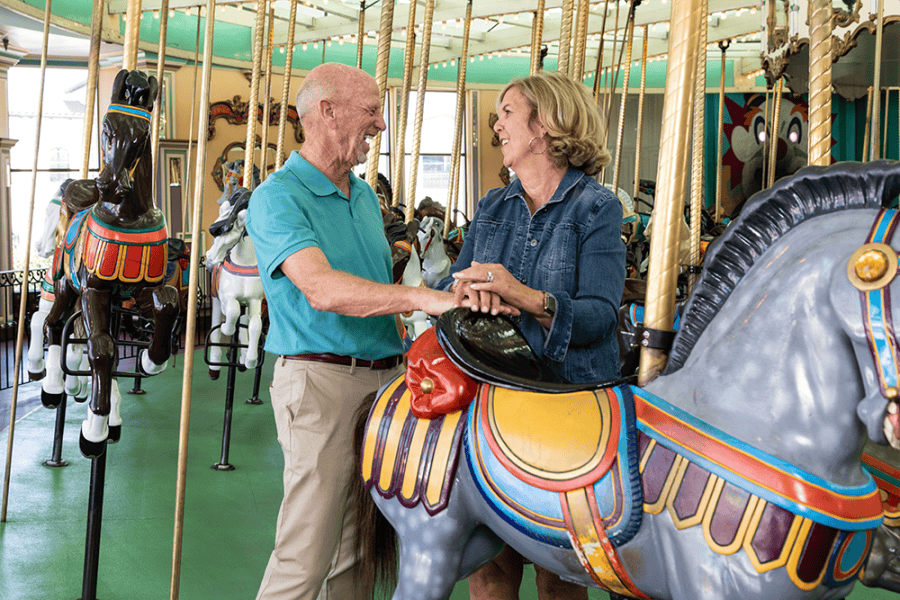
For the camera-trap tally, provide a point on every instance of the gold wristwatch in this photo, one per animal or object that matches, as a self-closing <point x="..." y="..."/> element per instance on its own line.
<point x="549" y="304"/>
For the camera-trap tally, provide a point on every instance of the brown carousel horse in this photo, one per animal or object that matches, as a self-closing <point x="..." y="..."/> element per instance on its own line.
<point x="114" y="250"/>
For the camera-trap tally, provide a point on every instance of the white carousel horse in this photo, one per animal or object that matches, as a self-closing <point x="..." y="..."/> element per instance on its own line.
<point x="435" y="262"/>
<point x="77" y="386"/>
<point x="236" y="283"/>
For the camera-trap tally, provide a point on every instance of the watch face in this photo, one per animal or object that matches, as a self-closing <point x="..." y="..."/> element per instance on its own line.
<point x="549" y="303"/>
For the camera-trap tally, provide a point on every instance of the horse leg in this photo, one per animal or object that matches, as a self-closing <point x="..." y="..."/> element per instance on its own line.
<point x="215" y="338"/>
<point x="36" y="344"/>
<point x="52" y="388"/>
<point x="165" y="310"/>
<point x="254" y="331"/>
<point x="115" y="414"/>
<point x="75" y="384"/>
<point x="101" y="352"/>
<point x="243" y="340"/>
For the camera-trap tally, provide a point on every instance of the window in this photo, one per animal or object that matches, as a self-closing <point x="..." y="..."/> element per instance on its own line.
<point x="60" y="153"/>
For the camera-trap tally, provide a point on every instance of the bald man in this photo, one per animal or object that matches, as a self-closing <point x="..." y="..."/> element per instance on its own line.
<point x="326" y="267"/>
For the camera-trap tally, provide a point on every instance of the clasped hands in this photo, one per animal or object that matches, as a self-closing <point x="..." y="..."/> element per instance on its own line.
<point x="489" y="288"/>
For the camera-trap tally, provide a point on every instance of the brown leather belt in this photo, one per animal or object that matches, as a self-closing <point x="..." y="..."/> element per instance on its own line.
<point x="382" y="363"/>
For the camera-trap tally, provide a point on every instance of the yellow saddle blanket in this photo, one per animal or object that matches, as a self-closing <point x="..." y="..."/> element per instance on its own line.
<point x="557" y="442"/>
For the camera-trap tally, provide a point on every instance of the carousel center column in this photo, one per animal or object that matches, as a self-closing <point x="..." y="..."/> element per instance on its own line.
<point x="9" y="57"/>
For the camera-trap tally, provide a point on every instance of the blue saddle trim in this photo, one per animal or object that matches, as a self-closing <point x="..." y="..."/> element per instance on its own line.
<point x="537" y="513"/>
<point x="74" y="230"/>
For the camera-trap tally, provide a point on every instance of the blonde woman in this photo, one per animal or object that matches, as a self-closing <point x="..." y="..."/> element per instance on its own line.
<point x="549" y="245"/>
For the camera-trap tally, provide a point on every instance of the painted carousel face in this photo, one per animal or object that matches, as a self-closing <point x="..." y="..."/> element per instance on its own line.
<point x="747" y="159"/>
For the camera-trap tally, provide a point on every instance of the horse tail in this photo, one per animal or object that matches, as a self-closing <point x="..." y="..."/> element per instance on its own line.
<point x="376" y="540"/>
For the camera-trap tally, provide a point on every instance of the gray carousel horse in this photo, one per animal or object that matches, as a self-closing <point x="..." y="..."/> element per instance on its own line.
<point x="738" y="473"/>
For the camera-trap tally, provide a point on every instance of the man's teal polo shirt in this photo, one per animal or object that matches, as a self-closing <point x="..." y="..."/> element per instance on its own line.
<point x="298" y="207"/>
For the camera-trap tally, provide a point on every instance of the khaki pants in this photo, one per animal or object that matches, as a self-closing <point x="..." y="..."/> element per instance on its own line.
<point x="314" y="406"/>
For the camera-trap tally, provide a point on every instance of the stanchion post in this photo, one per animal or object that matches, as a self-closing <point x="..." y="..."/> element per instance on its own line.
<point x="223" y="464"/>
<point x="94" y="520"/>
<point x="56" y="460"/>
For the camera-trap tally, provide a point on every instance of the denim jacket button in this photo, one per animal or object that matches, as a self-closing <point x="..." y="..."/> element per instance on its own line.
<point x="524" y="281"/>
<point x="533" y="242"/>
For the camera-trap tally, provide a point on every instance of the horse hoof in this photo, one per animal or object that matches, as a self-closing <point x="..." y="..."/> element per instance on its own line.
<point x="37" y="376"/>
<point x="90" y="449"/>
<point x="80" y="400"/>
<point x="115" y="433"/>
<point x="213" y="374"/>
<point x="149" y="367"/>
<point x="242" y="368"/>
<point x="51" y="400"/>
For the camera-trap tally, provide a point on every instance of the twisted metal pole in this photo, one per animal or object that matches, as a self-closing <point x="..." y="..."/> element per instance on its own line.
<point x="253" y="101"/>
<point x="537" y="35"/>
<point x="400" y="144"/>
<point x="91" y="92"/>
<point x="699" y="147"/>
<point x="613" y="76"/>
<point x="361" y="34"/>
<point x="820" y="83"/>
<point x="191" y="319"/>
<point x="865" y="156"/>
<point x="286" y="85"/>
<point x="267" y="103"/>
<point x="23" y="293"/>
<point x="640" y="120"/>
<point x="620" y="134"/>
<point x="670" y="177"/>
<point x="876" y="103"/>
<point x="420" y="110"/>
<point x="776" y="119"/>
<point x="581" y="26"/>
<point x="381" y="70"/>
<point x="460" y="114"/>
<point x="565" y="36"/>
<point x="723" y="46"/>
<point x="132" y="34"/>
<point x="598" y="86"/>
<point x="160" y="69"/>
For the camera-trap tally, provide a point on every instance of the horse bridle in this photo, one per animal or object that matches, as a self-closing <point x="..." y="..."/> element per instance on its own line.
<point x="871" y="269"/>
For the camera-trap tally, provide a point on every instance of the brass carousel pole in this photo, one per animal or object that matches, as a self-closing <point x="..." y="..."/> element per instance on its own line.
<point x="191" y="319"/>
<point x="361" y="34"/>
<point x="400" y="139"/>
<point x="565" y="36"/>
<point x="820" y="83"/>
<point x="670" y="177"/>
<point x="773" y="131"/>
<point x="613" y="74"/>
<point x="876" y="102"/>
<point x="865" y="156"/>
<point x="381" y="70"/>
<point x="91" y="92"/>
<point x="598" y="73"/>
<point x="160" y="69"/>
<point x="723" y="46"/>
<point x="887" y="118"/>
<point x="537" y="35"/>
<point x="620" y="134"/>
<point x="186" y="202"/>
<point x="640" y="118"/>
<point x="581" y="27"/>
<point x="286" y="85"/>
<point x="253" y="101"/>
<point x="420" y="110"/>
<point x="23" y="293"/>
<point x="452" y="197"/>
<point x="267" y="103"/>
<point x="698" y="147"/>
<point x="132" y="34"/>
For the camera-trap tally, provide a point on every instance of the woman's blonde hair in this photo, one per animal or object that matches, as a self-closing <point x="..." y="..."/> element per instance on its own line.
<point x="566" y="109"/>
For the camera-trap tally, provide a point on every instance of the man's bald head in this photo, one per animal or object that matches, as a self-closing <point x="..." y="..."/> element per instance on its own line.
<point x="331" y="81"/>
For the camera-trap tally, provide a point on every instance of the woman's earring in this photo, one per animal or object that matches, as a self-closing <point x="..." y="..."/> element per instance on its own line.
<point x="532" y="150"/>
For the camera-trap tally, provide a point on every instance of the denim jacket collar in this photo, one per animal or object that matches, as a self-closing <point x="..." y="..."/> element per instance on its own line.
<point x="569" y="180"/>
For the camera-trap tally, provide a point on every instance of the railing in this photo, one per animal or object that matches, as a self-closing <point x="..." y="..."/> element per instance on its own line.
<point x="11" y="290"/>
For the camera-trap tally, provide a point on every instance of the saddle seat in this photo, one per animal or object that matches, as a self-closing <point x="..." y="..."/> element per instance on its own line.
<point x="492" y="349"/>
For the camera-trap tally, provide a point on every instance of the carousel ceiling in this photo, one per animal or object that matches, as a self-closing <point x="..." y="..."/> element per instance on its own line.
<point x="326" y="30"/>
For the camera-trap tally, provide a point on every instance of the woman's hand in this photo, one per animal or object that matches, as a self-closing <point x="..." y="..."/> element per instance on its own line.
<point x="491" y="288"/>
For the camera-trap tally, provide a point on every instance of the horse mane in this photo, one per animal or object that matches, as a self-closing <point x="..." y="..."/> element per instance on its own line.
<point x="768" y="215"/>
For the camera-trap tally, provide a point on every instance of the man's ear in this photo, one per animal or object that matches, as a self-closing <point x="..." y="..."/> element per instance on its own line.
<point x="327" y="112"/>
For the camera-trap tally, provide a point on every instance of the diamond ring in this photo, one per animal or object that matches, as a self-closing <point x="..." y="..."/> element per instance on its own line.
<point x="490" y="277"/>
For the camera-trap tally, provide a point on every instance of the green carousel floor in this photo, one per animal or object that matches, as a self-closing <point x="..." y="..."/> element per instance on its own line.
<point x="229" y="516"/>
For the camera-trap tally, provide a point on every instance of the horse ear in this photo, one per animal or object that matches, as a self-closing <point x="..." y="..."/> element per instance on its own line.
<point x="154" y="90"/>
<point x="118" y="89"/>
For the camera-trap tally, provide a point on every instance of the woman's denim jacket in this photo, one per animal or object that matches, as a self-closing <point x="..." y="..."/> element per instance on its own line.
<point x="570" y="247"/>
